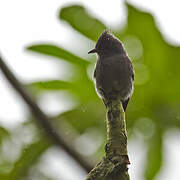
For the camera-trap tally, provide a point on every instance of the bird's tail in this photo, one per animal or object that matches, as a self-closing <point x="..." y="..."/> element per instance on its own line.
<point x="124" y="104"/>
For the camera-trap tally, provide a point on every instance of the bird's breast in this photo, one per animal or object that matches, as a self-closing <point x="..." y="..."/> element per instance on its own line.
<point x="111" y="75"/>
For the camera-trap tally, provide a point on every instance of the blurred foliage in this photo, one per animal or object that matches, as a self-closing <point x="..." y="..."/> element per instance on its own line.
<point x="154" y="107"/>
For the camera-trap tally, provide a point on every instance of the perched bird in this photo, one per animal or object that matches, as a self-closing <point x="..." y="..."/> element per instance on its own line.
<point x="113" y="74"/>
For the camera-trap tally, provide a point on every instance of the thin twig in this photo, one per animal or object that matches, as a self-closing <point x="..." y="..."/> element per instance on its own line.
<point x="41" y="117"/>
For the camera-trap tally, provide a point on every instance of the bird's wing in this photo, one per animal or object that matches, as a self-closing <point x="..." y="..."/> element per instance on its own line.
<point x="130" y="67"/>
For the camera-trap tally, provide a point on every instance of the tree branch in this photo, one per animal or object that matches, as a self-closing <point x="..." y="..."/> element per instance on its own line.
<point x="42" y="118"/>
<point x="114" y="165"/>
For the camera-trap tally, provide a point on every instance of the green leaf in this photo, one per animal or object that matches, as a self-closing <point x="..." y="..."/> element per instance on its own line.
<point x="84" y="91"/>
<point x="82" y="21"/>
<point x="159" y="56"/>
<point x="162" y="67"/>
<point x="90" y="114"/>
<point x="58" y="52"/>
<point x="29" y="156"/>
<point x="154" y="156"/>
<point x="52" y="85"/>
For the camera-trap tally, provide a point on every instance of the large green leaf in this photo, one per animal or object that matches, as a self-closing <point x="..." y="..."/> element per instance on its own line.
<point x="78" y="17"/>
<point x="160" y="57"/>
<point x="55" y="51"/>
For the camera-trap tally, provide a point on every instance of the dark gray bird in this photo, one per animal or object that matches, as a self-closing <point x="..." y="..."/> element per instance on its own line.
<point x="113" y="74"/>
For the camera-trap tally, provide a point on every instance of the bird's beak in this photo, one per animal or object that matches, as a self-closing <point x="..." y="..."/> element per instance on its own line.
<point x="93" y="51"/>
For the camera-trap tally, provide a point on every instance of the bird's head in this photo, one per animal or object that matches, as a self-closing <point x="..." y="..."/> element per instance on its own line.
<point x="107" y="45"/>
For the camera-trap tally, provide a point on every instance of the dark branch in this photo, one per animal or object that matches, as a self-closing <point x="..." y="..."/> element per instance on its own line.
<point x="41" y="117"/>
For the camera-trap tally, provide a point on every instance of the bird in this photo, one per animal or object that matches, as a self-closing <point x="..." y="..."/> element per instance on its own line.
<point x="113" y="73"/>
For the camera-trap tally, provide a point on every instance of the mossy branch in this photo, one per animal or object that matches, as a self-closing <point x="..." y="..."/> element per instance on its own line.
<point x="114" y="165"/>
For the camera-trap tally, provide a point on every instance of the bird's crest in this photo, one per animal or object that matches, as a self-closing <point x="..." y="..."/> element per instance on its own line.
<point x="107" y="41"/>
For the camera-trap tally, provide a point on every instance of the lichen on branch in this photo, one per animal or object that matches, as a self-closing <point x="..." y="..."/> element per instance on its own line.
<point x="114" y="165"/>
